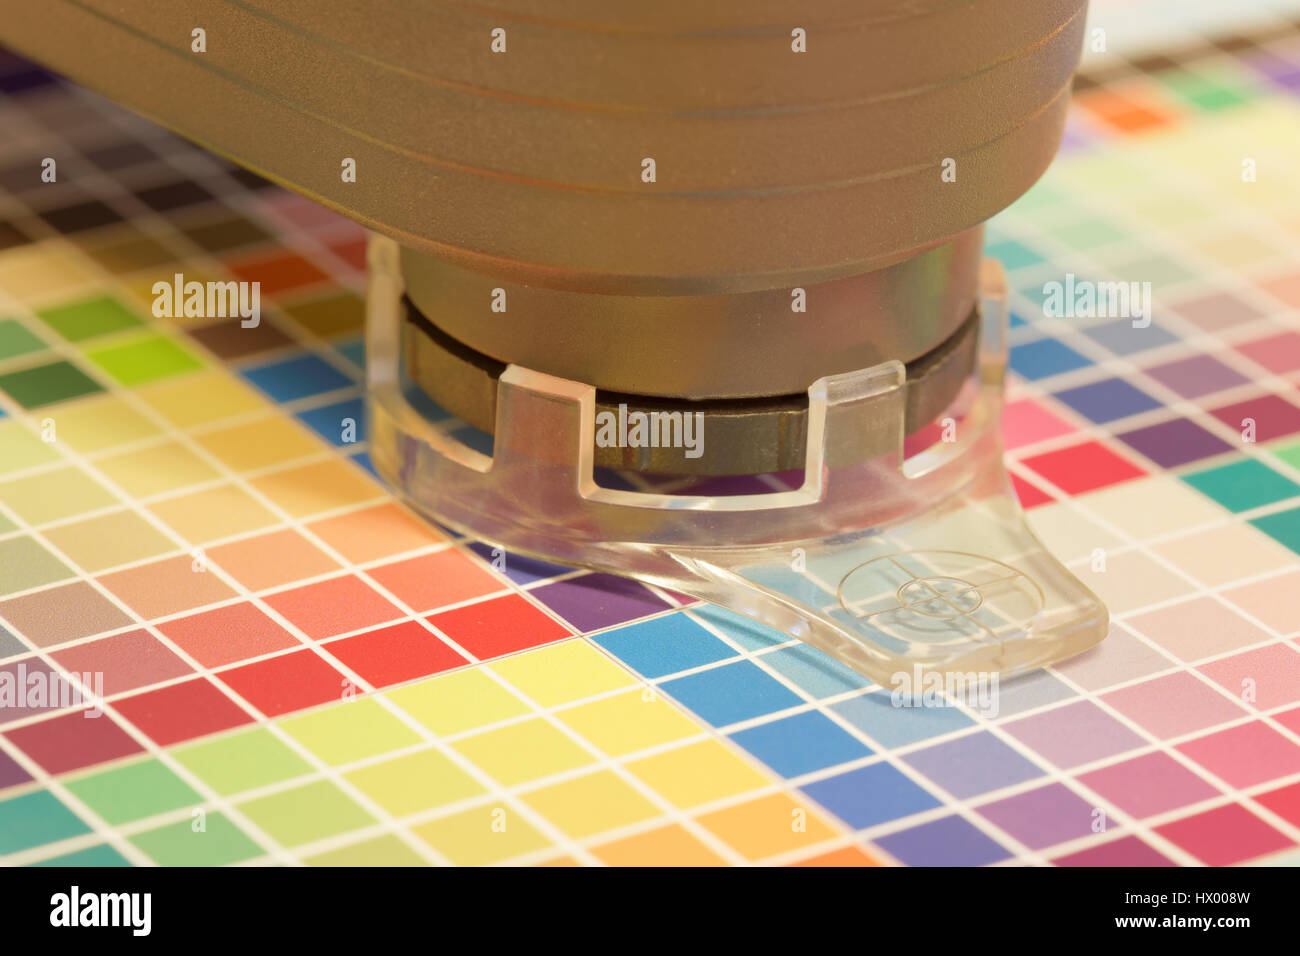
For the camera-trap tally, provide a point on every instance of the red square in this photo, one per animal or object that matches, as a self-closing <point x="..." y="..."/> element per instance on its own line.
<point x="127" y="661"/>
<point x="1277" y="353"/>
<point x="227" y="634"/>
<point x="1274" y="416"/>
<point x="72" y="741"/>
<point x="1245" y="755"/>
<point x="279" y="685"/>
<point x="1081" y="468"/>
<point x="336" y="606"/>
<point x="1290" y="719"/>
<point x="1224" y="835"/>
<point x="395" y="654"/>
<point x="353" y="252"/>
<point x="499" y="626"/>
<point x="436" y="580"/>
<point x="1030" y="495"/>
<point x="182" y="711"/>
<point x="277" y="272"/>
<point x="1285" y="802"/>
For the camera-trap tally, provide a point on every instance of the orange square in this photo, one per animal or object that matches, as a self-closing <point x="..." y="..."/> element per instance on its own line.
<point x="261" y="443"/>
<point x="667" y="846"/>
<point x="322" y="486"/>
<point x="436" y="580"/>
<point x="166" y="587"/>
<point x="272" y="559"/>
<point x="1128" y="114"/>
<point x="1285" y="287"/>
<point x="845" y="856"/>
<point x="277" y="272"/>
<point x="378" y="532"/>
<point x="768" y="826"/>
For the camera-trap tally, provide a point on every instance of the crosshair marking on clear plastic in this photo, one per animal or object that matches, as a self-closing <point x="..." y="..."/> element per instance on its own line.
<point x="940" y="596"/>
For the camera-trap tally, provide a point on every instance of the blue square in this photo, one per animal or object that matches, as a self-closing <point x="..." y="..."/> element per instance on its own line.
<point x="1012" y="254"/>
<point x="1123" y="339"/>
<point x="815" y="673"/>
<point x="732" y="693"/>
<point x="291" y="379"/>
<point x="948" y="841"/>
<point x="1107" y="400"/>
<point x="870" y="795"/>
<point x="354" y="352"/>
<point x="1027" y="691"/>
<point x="517" y="567"/>
<point x="801" y="744"/>
<point x="746" y="632"/>
<point x="329" y="421"/>
<point x="363" y="459"/>
<point x="876" y="716"/>
<point x="34" y="819"/>
<point x="664" y="645"/>
<point x="971" y="765"/>
<point x="1044" y="358"/>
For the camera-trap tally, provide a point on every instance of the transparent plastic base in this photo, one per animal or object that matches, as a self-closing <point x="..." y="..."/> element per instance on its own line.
<point x="890" y="566"/>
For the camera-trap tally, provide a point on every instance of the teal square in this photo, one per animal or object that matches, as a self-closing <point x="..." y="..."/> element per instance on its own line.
<point x="35" y="819"/>
<point x="1283" y="526"/>
<point x="1242" y="485"/>
<point x="92" y="856"/>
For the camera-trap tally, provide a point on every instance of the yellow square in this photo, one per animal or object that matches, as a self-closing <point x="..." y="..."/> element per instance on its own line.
<point x="564" y="672"/>
<point x="591" y="804"/>
<point x="323" y="486"/>
<point x="768" y="826"/>
<point x="459" y="701"/>
<point x="629" y="722"/>
<point x="349" y="731"/>
<point x="415" y="782"/>
<point x="99" y="423"/>
<point x="486" y="834"/>
<point x="159" y="468"/>
<point x="19" y="448"/>
<point x="698" y="773"/>
<point x="667" y="846"/>
<point x="386" y="850"/>
<point x="523" y="751"/>
<point x="213" y="514"/>
<point x="121" y="537"/>
<point x="56" y="494"/>
<point x="203" y="397"/>
<point x="140" y="287"/>
<point x="258" y="444"/>
<point x="42" y="269"/>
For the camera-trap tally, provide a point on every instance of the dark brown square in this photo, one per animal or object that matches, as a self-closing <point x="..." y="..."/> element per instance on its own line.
<point x="228" y="339"/>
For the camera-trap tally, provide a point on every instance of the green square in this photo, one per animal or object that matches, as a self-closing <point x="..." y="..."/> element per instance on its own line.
<point x="1283" y="526"/>
<point x="45" y="384"/>
<point x="35" y="819"/>
<point x="26" y="563"/>
<point x="1088" y="233"/>
<point x="1203" y="92"/>
<point x="1289" y="454"/>
<point x="386" y="850"/>
<point x="93" y="856"/>
<point x="144" y="360"/>
<point x="350" y="731"/>
<point x="242" y="761"/>
<point x="89" y="318"/>
<point x="20" y="449"/>
<point x="134" y="792"/>
<point x="218" y="843"/>
<point x="1243" y="485"/>
<point x="307" y="813"/>
<point x="15" y="339"/>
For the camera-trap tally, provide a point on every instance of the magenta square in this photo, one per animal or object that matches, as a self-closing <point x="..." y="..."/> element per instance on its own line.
<point x="1025" y="422"/>
<point x="1196" y="376"/>
<point x="1150" y="784"/>
<point x="1246" y="755"/>
<point x="127" y="661"/>
<point x="1075" y="734"/>
<point x="1273" y="415"/>
<point x="1043" y="817"/>
<point x="1126" y="851"/>
<point x="1224" y="835"/>
<point x="11" y="772"/>
<point x="1277" y="353"/>
<point x="1174" y="705"/>
<point x="1270" y="674"/>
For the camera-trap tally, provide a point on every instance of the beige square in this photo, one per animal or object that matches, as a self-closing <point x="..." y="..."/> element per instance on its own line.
<point x="1230" y="552"/>
<point x="261" y="443"/>
<point x="108" y="540"/>
<point x="99" y="423"/>
<point x="157" y="469"/>
<point x="201" y="398"/>
<point x="1199" y="628"/>
<point x="1068" y="533"/>
<point x="319" y="487"/>
<point x="1131" y="580"/>
<point x="1152" y="507"/>
<point x="220" y="512"/>
<point x="52" y="495"/>
<point x="1274" y="601"/>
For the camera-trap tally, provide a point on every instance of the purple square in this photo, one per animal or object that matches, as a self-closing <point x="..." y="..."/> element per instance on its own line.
<point x="10" y="773"/>
<point x="595" y="601"/>
<point x="973" y="764"/>
<point x="1042" y="817"/>
<point x="1175" y="442"/>
<point x="1196" y="376"/>
<point x="1107" y="400"/>
<point x="1075" y="734"/>
<point x="1126" y="851"/>
<point x="1150" y="784"/>
<point x="948" y="841"/>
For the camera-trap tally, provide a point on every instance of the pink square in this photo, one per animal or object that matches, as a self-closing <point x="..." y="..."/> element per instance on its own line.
<point x="1174" y="705"/>
<point x="1150" y="784"/>
<point x="227" y="634"/>
<point x="1271" y="601"/>
<point x="1246" y="755"/>
<point x="334" y="606"/>
<point x="1126" y="851"/>
<point x="1075" y="734"/>
<point x="1264" y="678"/>
<point x="1277" y="353"/>
<point x="1025" y="422"/>
<point x="127" y="661"/>
<point x="1224" y="836"/>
